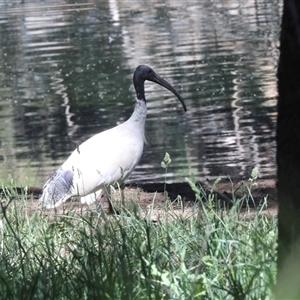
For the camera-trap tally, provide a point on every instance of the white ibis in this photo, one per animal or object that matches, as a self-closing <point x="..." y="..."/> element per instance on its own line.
<point x="108" y="157"/>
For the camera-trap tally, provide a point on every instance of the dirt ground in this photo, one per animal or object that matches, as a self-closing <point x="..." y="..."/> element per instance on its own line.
<point x="150" y="197"/>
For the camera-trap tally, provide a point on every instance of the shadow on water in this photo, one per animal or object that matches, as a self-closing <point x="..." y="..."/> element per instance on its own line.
<point x="66" y="73"/>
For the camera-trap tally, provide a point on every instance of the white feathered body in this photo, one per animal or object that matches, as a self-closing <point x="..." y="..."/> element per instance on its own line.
<point x="104" y="159"/>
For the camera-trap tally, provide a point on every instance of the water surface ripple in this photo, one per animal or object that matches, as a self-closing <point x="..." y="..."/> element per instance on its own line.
<point x="66" y="73"/>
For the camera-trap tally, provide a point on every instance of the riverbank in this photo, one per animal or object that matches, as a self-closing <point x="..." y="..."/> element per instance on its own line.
<point x="180" y="196"/>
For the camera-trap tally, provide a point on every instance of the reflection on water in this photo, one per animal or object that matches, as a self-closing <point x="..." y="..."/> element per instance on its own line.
<point x="66" y="73"/>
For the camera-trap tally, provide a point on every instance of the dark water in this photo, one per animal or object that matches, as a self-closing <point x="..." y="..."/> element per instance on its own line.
<point x="66" y="73"/>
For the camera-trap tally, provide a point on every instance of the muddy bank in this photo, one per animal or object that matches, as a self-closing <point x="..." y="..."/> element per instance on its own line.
<point x="145" y="195"/>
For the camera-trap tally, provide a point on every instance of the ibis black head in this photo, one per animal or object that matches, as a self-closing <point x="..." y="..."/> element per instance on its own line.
<point x="143" y="73"/>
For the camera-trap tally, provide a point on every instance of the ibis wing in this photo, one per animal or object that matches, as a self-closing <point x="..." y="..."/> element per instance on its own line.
<point x="104" y="159"/>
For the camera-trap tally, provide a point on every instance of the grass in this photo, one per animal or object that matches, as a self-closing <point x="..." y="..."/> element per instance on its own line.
<point x="207" y="253"/>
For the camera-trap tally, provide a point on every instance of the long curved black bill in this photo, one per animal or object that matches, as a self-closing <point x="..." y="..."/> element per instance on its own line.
<point x="157" y="79"/>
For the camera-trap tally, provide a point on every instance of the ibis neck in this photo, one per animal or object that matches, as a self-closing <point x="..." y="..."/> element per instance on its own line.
<point x="140" y="112"/>
<point x="139" y="87"/>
